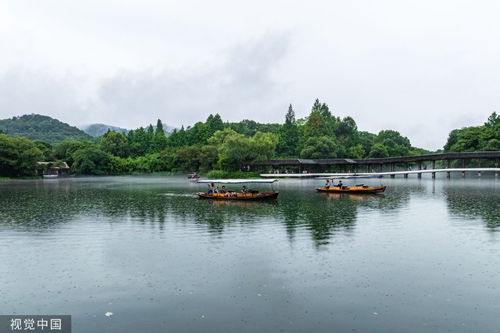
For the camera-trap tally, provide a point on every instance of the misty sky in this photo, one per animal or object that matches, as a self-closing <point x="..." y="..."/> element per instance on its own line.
<point x="421" y="67"/>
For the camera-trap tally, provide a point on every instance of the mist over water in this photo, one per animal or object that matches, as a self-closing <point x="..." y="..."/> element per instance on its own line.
<point x="423" y="257"/>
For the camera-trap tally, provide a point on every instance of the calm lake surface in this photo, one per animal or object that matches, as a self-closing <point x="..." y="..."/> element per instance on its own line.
<point x="423" y="257"/>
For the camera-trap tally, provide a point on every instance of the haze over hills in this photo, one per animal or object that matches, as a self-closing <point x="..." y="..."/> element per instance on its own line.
<point x="43" y="128"/>
<point x="100" y="129"/>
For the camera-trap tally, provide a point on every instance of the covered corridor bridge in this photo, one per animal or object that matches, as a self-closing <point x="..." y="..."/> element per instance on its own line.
<point x="464" y="160"/>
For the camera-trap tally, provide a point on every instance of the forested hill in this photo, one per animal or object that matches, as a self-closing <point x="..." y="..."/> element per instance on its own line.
<point x="101" y="129"/>
<point x="43" y="128"/>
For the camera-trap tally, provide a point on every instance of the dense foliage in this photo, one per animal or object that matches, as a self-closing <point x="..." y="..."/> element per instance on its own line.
<point x="225" y="148"/>
<point x="18" y="156"/>
<point x="478" y="138"/>
<point x="42" y="128"/>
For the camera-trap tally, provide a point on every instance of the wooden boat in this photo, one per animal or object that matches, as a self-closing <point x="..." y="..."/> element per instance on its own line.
<point x="233" y="195"/>
<point x="193" y="175"/>
<point x="352" y="189"/>
<point x="238" y="196"/>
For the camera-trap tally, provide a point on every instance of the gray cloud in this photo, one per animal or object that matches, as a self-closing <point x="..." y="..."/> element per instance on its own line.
<point x="242" y="86"/>
<point x="420" y="67"/>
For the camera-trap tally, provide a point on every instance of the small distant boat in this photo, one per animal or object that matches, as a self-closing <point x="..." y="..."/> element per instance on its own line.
<point x="361" y="188"/>
<point x="193" y="175"/>
<point x="251" y="194"/>
<point x="50" y="176"/>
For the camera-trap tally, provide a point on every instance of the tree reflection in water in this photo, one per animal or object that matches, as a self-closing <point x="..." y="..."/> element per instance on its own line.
<point x="472" y="201"/>
<point x="39" y="206"/>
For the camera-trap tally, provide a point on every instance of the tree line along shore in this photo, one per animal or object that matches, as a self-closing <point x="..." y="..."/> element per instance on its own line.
<point x="224" y="149"/>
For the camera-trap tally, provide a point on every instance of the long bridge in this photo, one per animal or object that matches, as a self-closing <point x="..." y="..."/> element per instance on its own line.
<point x="487" y="161"/>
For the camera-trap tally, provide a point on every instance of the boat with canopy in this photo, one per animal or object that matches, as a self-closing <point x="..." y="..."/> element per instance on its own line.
<point x="358" y="189"/>
<point x="245" y="194"/>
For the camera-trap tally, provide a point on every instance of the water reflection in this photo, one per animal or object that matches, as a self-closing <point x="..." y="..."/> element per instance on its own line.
<point x="37" y="206"/>
<point x="471" y="201"/>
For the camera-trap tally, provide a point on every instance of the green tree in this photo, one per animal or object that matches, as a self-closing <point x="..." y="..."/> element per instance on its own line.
<point x="91" y="161"/>
<point x="65" y="149"/>
<point x="452" y="139"/>
<point x="346" y="131"/>
<point x="150" y="136"/>
<point x="237" y="151"/>
<point x="220" y="137"/>
<point x="214" y="124"/>
<point x="356" y="151"/>
<point x="46" y="150"/>
<point x="18" y="156"/>
<point x="159" y="131"/>
<point x="467" y="139"/>
<point x="159" y="139"/>
<point x="209" y="155"/>
<point x="493" y="120"/>
<point x="475" y="138"/>
<point x="315" y="126"/>
<point x="366" y="139"/>
<point x="394" y="143"/>
<point x="379" y="150"/>
<point x="288" y="137"/>
<point x="115" y="143"/>
<point x="263" y="146"/>
<point x="320" y="147"/>
<point x="177" y="138"/>
<point x="492" y="145"/>
<point x="138" y="141"/>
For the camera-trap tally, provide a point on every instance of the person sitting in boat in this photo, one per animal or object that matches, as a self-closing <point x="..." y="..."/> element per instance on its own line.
<point x="212" y="188"/>
<point x="328" y="184"/>
<point x="223" y="189"/>
<point x="340" y="184"/>
<point x="244" y="189"/>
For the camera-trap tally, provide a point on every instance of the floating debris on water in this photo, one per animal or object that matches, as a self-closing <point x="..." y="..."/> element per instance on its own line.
<point x="108" y="314"/>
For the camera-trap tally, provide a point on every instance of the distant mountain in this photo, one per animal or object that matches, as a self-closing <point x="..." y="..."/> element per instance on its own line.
<point x="101" y="129"/>
<point x="43" y="128"/>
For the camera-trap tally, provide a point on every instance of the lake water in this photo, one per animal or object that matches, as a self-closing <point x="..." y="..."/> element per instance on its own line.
<point x="423" y="257"/>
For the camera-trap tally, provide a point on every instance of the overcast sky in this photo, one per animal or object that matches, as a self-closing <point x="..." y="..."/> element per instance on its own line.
<point x="421" y="67"/>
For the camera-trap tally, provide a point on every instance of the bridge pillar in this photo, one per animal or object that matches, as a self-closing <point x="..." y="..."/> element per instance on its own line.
<point x="406" y="175"/>
<point x="433" y="175"/>
<point x="393" y="175"/>
<point x="419" y="175"/>
<point x="448" y="162"/>
<point x="448" y="174"/>
<point x="434" y="164"/>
